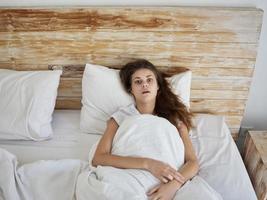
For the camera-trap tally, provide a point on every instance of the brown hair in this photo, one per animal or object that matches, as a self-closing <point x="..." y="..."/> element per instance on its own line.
<point x="168" y="105"/>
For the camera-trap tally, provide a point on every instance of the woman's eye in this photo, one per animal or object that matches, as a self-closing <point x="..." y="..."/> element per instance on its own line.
<point x="138" y="82"/>
<point x="149" y="80"/>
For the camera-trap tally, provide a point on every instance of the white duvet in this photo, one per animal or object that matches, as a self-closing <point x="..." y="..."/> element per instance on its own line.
<point x="41" y="180"/>
<point x="221" y="167"/>
<point x="140" y="136"/>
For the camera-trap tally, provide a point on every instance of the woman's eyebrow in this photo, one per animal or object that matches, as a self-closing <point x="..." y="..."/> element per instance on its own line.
<point x="137" y="77"/>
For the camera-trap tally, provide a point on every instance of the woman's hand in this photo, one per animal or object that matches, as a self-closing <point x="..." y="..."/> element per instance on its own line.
<point x="163" y="171"/>
<point x="164" y="191"/>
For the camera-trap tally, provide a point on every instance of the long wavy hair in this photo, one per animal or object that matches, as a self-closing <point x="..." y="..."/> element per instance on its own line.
<point x="168" y="104"/>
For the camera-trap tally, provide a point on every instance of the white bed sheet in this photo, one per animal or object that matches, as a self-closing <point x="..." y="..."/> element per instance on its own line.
<point x="68" y="141"/>
<point x="221" y="165"/>
<point x="220" y="162"/>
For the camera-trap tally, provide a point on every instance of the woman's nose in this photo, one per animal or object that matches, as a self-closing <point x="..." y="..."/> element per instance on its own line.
<point x="145" y="84"/>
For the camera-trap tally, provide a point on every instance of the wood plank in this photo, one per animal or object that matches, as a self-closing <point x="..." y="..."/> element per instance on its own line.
<point x="221" y="72"/>
<point x="219" y="83"/>
<point x="68" y="103"/>
<point x="155" y="36"/>
<point x="215" y="72"/>
<point x="218" y="106"/>
<point x="118" y="60"/>
<point x="218" y="94"/>
<point x="4" y="51"/>
<point x="25" y="49"/>
<point x="233" y="121"/>
<point x="145" y="19"/>
<point x="207" y="75"/>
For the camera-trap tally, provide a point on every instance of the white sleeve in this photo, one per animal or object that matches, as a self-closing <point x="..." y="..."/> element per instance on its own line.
<point x="120" y="115"/>
<point x="117" y="117"/>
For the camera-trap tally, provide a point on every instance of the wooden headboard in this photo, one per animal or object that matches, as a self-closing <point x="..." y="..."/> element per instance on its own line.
<point x="219" y="45"/>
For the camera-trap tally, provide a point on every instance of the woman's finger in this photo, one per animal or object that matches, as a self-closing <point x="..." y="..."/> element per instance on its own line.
<point x="173" y="174"/>
<point x="153" y="190"/>
<point x="164" y="180"/>
<point x="154" y="197"/>
<point x="179" y="177"/>
<point x="168" y="176"/>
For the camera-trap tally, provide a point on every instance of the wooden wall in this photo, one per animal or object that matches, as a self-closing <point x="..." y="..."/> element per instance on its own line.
<point x="219" y="45"/>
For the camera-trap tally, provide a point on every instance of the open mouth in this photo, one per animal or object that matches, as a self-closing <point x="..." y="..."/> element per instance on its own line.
<point x="145" y="92"/>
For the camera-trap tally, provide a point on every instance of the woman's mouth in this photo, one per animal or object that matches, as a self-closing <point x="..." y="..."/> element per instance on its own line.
<point x="145" y="92"/>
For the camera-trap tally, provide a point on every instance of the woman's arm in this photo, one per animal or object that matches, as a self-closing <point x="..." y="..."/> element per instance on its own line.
<point x="103" y="156"/>
<point x="190" y="167"/>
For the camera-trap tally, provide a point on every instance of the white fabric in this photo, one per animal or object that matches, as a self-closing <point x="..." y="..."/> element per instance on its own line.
<point x="125" y="112"/>
<point x="68" y="141"/>
<point x="220" y="162"/>
<point x="221" y="165"/>
<point x="42" y="180"/>
<point x="141" y="136"/>
<point x="27" y="101"/>
<point x="197" y="188"/>
<point x="103" y="94"/>
<point x="149" y="136"/>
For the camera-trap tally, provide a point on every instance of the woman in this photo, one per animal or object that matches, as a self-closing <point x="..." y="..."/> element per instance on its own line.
<point x="152" y="95"/>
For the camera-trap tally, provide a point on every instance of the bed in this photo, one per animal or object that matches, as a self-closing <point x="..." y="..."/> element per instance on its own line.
<point x="215" y="147"/>
<point x="213" y="43"/>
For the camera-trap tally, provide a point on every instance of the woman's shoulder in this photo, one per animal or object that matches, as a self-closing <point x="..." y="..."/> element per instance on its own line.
<point x="124" y="112"/>
<point x="129" y="109"/>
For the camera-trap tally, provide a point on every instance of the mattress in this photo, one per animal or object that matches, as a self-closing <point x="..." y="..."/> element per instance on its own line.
<point x="220" y="162"/>
<point x="68" y="141"/>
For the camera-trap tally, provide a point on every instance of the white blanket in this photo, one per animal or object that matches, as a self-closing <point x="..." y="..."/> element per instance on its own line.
<point x="141" y="136"/>
<point x="42" y="180"/>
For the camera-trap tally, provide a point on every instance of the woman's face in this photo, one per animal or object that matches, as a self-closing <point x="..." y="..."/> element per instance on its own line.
<point x="144" y="86"/>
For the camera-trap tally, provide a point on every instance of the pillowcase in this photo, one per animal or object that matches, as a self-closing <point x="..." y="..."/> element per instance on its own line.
<point x="103" y="94"/>
<point x="27" y="101"/>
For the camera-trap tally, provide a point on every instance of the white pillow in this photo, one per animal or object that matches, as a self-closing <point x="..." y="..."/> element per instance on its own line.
<point x="103" y="94"/>
<point x="27" y="101"/>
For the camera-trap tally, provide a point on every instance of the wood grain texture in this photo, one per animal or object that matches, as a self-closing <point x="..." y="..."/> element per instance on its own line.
<point x="255" y="158"/>
<point x="219" y="46"/>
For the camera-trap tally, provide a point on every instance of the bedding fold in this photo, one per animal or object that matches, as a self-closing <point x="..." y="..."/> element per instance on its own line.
<point x="221" y="168"/>
<point x="141" y="136"/>
<point x="42" y="180"/>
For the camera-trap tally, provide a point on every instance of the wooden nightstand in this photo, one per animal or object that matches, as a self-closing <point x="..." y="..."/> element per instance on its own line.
<point x="255" y="159"/>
